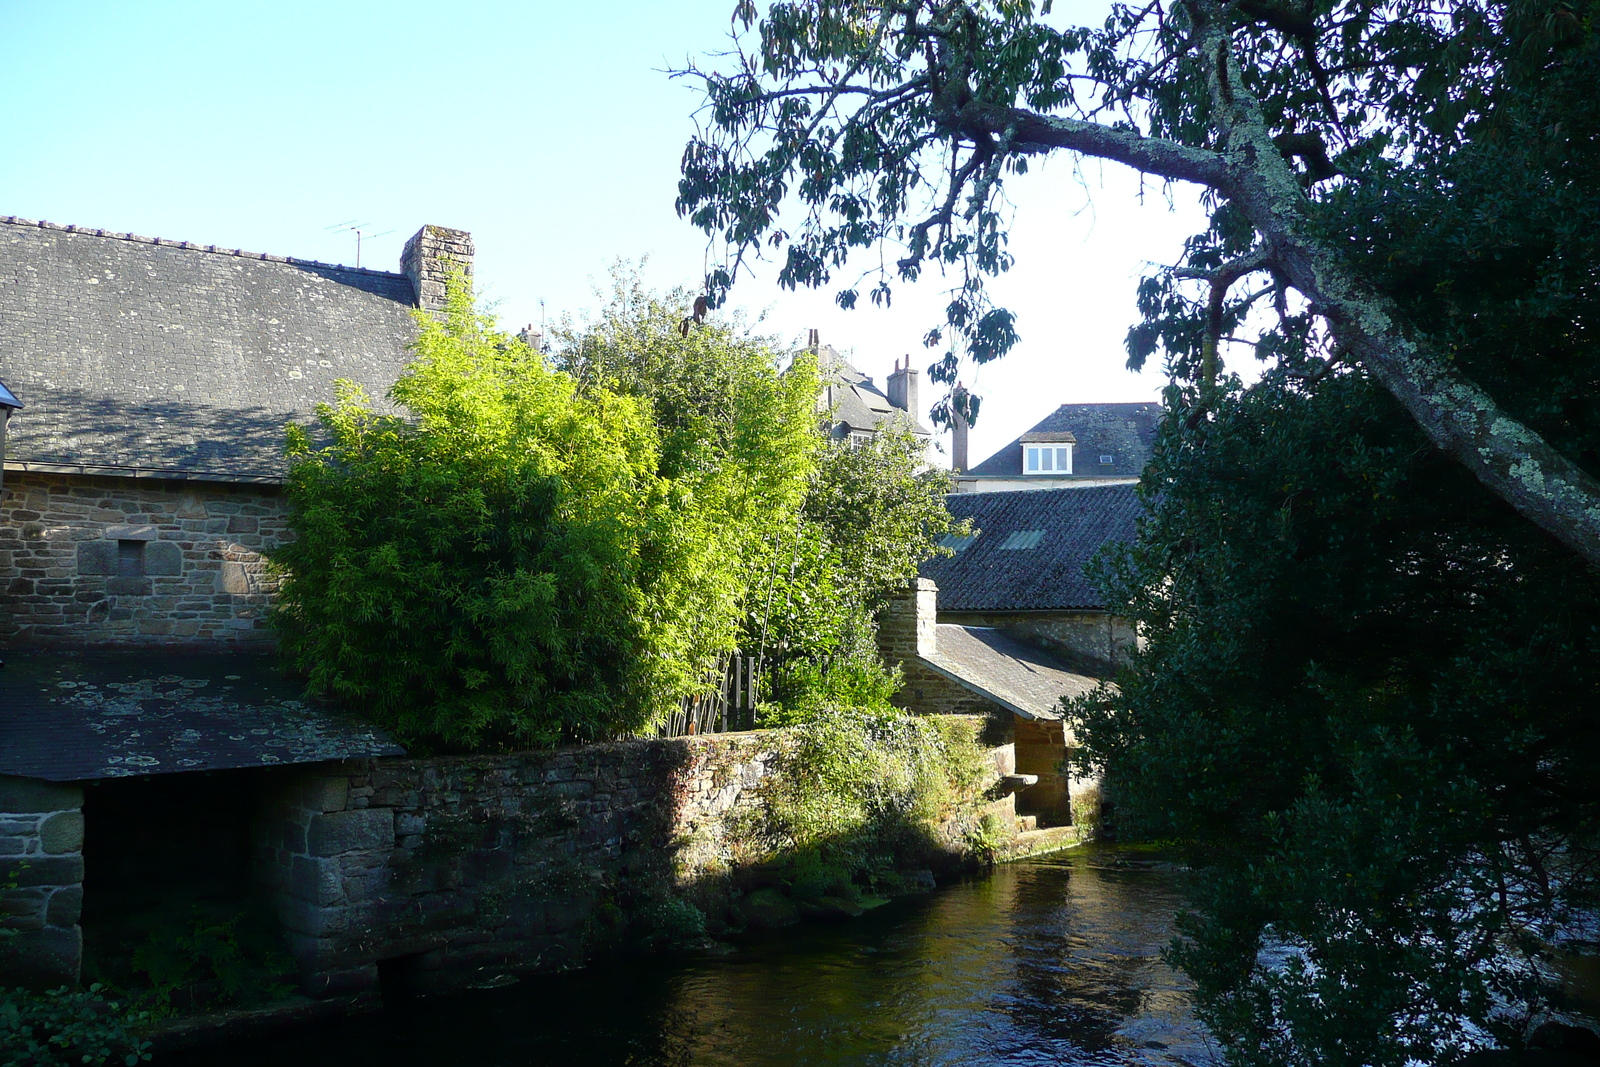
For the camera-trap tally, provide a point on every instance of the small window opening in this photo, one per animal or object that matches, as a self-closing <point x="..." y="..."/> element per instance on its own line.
<point x="1105" y="461"/>
<point x="130" y="559"/>
<point x="1051" y="460"/>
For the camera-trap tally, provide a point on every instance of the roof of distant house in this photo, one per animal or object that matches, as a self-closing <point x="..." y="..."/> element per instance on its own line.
<point x="1124" y="433"/>
<point x="1031" y="548"/>
<point x="1020" y="678"/>
<point x="856" y="400"/>
<point x="74" y="716"/>
<point x="141" y="355"/>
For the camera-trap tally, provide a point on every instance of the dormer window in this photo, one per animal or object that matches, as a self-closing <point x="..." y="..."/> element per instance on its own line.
<point x="1047" y="459"/>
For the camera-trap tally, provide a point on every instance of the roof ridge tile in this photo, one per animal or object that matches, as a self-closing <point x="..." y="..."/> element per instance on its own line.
<point x="238" y="253"/>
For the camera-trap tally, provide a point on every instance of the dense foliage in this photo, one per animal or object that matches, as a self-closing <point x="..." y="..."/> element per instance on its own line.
<point x="1366" y="695"/>
<point x="1365" y="583"/>
<point x="62" y="1026"/>
<point x="559" y="548"/>
<point x="824" y="532"/>
<point x="507" y="565"/>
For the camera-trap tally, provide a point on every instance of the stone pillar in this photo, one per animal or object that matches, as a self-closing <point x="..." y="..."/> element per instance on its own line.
<point x="322" y="853"/>
<point x="41" y="882"/>
<point x="429" y="257"/>
<point x="908" y="622"/>
<point x="903" y="389"/>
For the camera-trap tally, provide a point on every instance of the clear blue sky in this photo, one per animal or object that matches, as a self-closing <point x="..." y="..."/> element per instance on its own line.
<point x="547" y="130"/>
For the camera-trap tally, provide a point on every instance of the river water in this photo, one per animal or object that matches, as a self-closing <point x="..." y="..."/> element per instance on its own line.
<point x="1049" y="961"/>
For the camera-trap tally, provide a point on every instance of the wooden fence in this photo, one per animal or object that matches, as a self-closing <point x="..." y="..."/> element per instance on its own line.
<point x="730" y="707"/>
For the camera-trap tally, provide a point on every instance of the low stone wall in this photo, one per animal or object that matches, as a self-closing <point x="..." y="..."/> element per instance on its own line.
<point x="450" y="872"/>
<point x="108" y="561"/>
<point x="41" y="882"/>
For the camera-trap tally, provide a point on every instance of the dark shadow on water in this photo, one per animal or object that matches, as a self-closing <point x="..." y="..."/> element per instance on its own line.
<point x="1052" y="961"/>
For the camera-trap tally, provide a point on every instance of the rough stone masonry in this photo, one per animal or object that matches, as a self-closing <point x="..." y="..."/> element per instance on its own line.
<point x="461" y="869"/>
<point x="109" y="561"/>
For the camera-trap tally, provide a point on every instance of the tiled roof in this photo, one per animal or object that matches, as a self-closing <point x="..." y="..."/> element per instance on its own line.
<point x="856" y="401"/>
<point x="1032" y="547"/>
<point x="114" y="714"/>
<point x="1018" y="677"/>
<point x="139" y="354"/>
<point x="1125" y="432"/>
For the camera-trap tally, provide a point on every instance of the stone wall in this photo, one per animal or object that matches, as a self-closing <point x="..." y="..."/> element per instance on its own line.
<point x="908" y="628"/>
<point x="1093" y="640"/>
<point x="41" y="882"/>
<point x="109" y="561"/>
<point x="454" y="871"/>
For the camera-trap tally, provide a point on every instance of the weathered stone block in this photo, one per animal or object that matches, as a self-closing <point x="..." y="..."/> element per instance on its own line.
<point x="62" y="832"/>
<point x="43" y="958"/>
<point x="163" y="558"/>
<point x="49" y="870"/>
<point x="322" y="793"/>
<point x="343" y="831"/>
<point x="23" y="909"/>
<point x="34" y="795"/>
<point x="316" y="879"/>
<point x="97" y="557"/>
<point x="132" y="587"/>
<point x="14" y="846"/>
<point x="66" y="906"/>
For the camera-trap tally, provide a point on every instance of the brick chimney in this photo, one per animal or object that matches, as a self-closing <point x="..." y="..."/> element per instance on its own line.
<point x="428" y="259"/>
<point x="903" y="388"/>
<point x="958" y="430"/>
<point x="908" y="623"/>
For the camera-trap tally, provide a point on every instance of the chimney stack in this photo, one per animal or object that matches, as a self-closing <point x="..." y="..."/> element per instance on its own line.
<point x="903" y="388"/>
<point x="958" y="429"/>
<point x="429" y="256"/>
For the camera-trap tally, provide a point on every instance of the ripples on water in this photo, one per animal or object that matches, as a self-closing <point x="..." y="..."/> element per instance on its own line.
<point x="1050" y="961"/>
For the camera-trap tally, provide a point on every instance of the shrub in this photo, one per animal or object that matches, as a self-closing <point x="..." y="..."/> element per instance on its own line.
<point x="65" y="1027"/>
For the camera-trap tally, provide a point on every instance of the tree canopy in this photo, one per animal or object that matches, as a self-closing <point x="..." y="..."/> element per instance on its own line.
<point x="1366" y="582"/>
<point x="858" y="124"/>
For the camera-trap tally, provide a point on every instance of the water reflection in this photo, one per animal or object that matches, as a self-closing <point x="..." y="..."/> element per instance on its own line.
<point x="1052" y="961"/>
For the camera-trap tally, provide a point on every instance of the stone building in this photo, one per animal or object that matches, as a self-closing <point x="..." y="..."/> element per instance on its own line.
<point x="142" y="483"/>
<point x="142" y="477"/>
<point x="855" y="407"/>
<point x="1011" y="624"/>
<point x="1075" y="445"/>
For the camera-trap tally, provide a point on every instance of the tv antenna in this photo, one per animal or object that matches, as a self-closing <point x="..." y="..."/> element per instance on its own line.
<point x="361" y="230"/>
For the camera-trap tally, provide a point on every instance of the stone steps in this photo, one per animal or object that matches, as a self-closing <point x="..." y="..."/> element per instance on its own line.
<point x="1038" y="842"/>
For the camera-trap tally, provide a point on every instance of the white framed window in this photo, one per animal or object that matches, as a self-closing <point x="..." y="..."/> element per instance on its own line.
<point x="1047" y="459"/>
<point x="858" y="439"/>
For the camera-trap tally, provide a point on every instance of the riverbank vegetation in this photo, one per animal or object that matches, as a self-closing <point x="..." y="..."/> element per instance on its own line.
<point x="539" y="548"/>
<point x="1366" y="584"/>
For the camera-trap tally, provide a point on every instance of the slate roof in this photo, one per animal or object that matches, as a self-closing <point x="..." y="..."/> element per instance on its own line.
<point x="1017" y="676"/>
<point x="1125" y="432"/>
<point x="141" y="355"/>
<point x="855" y="400"/>
<point x="76" y="716"/>
<point x="1032" y="547"/>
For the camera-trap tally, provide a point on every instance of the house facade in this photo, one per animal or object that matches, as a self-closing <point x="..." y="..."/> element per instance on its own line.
<point x="852" y="405"/>
<point x="1075" y="445"/>
<point x="1011" y="623"/>
<point x="143" y="473"/>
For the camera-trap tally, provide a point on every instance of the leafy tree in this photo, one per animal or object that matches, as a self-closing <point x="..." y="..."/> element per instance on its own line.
<point x="507" y="565"/>
<point x="872" y="516"/>
<point x="894" y="127"/>
<point x="1366" y="583"/>
<point x="816" y="534"/>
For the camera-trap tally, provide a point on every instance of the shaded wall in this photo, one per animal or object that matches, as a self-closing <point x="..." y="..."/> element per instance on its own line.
<point x="124" y="561"/>
<point x="454" y="871"/>
<point x="41" y="882"/>
<point x="1092" y="640"/>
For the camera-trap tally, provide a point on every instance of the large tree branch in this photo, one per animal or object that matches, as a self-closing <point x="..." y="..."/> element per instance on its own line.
<point x="1506" y="455"/>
